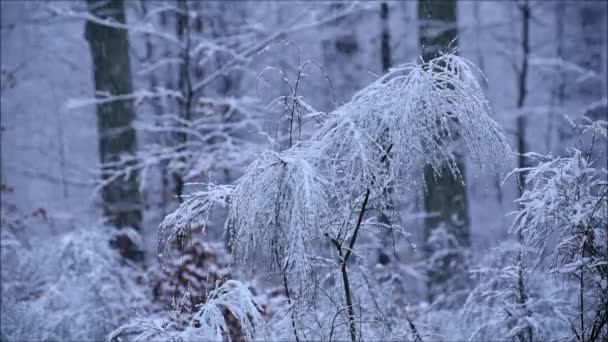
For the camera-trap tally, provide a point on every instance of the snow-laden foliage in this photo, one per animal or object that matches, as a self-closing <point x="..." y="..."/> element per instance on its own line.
<point x="75" y="288"/>
<point x="566" y="200"/>
<point x="567" y="197"/>
<point x="314" y="194"/>
<point x="289" y="215"/>
<point x="208" y="323"/>
<point x="562" y="226"/>
<point x="419" y="110"/>
<point x="192" y="214"/>
<point x="236" y="298"/>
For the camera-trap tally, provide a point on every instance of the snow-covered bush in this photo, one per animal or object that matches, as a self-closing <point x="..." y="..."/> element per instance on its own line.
<point x="185" y="281"/>
<point x="208" y="322"/>
<point x="566" y="199"/>
<point x="302" y="209"/>
<point x="73" y="287"/>
<point x="561" y="230"/>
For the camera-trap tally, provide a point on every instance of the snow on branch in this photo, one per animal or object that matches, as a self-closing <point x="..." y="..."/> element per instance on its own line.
<point x="563" y="193"/>
<point x="192" y="214"/>
<point x="208" y="323"/>
<point x="283" y="202"/>
<point x="137" y="97"/>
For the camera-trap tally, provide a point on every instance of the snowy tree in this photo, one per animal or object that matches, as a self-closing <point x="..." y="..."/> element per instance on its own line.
<point x="293" y="207"/>
<point x="73" y="286"/>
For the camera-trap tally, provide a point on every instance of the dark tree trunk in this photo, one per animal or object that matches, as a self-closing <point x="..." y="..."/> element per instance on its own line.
<point x="385" y="40"/>
<point x="446" y="198"/>
<point x="522" y="92"/>
<point x="184" y="84"/>
<point x="112" y="75"/>
<point x="558" y="91"/>
<point x="387" y="209"/>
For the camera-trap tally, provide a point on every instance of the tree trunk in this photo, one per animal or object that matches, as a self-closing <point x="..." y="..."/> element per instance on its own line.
<point x="184" y="84"/>
<point x="387" y="209"/>
<point x="341" y="56"/>
<point x="558" y="91"/>
<point x="522" y="80"/>
<point x="522" y="92"/>
<point x="385" y="39"/>
<point x="112" y="75"/>
<point x="446" y="198"/>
